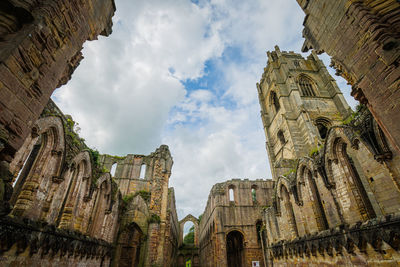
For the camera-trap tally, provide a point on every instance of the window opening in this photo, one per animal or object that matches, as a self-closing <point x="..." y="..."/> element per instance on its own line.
<point x="231" y="195"/>
<point x="188" y="233"/>
<point x="142" y="171"/>
<point x="306" y="86"/>
<point x="113" y="169"/>
<point x="322" y="129"/>
<point x="253" y="194"/>
<point x="281" y="137"/>
<point x="275" y="101"/>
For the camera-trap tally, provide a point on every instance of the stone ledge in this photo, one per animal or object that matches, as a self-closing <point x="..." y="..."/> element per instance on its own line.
<point x="374" y="232"/>
<point x="47" y="239"/>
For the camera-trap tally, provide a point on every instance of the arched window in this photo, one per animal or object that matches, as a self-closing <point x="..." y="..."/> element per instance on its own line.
<point x="231" y="194"/>
<point x="188" y="233"/>
<point x="281" y="137"/>
<point x="275" y="101"/>
<point x="142" y="171"/>
<point x="322" y="126"/>
<point x="113" y="169"/>
<point x="306" y="86"/>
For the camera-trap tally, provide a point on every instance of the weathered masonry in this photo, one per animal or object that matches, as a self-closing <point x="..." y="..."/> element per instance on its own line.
<point x="40" y="47"/>
<point x="363" y="39"/>
<point x="336" y="198"/>
<point x="72" y="206"/>
<point x="229" y="230"/>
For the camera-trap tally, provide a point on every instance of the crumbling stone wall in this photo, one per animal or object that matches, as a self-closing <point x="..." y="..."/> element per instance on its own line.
<point x="62" y="183"/>
<point x="62" y="203"/>
<point x="154" y="214"/>
<point x="223" y="216"/>
<point x="339" y="203"/>
<point x="40" y="46"/>
<point x="362" y="37"/>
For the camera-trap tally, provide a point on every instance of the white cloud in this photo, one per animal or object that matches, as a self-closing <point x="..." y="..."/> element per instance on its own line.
<point x="128" y="93"/>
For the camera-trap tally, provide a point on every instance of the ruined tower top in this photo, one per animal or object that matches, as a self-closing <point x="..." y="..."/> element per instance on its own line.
<point x="299" y="101"/>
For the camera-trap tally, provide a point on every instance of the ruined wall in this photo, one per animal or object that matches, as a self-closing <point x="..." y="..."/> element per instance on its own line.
<point x="362" y="37"/>
<point x="64" y="208"/>
<point x="339" y="204"/>
<point x="172" y="231"/>
<point x="149" y="207"/>
<point x="40" y="48"/>
<point x="223" y="216"/>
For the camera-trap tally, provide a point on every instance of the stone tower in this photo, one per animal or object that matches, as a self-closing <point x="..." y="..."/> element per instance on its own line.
<point x="299" y="102"/>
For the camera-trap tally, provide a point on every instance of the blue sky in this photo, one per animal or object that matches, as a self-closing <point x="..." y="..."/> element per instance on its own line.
<point x="183" y="73"/>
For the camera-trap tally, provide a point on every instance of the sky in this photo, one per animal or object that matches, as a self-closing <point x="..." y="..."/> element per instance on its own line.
<point x="184" y="73"/>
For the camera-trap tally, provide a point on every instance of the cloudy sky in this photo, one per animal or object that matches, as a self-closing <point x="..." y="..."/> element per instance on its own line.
<point x="183" y="73"/>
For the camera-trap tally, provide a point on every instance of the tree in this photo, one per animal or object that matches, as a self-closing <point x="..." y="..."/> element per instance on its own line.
<point x="189" y="237"/>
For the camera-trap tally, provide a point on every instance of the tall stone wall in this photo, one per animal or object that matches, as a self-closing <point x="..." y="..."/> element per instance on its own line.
<point x="64" y="209"/>
<point x="68" y="209"/>
<point x="337" y="204"/>
<point x="223" y="216"/>
<point x="149" y="205"/>
<point x="363" y="39"/>
<point x="40" y="48"/>
<point x="40" y="44"/>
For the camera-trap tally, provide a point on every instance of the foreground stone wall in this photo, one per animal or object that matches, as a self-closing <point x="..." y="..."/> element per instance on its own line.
<point x="339" y="202"/>
<point x="363" y="39"/>
<point x="63" y="205"/>
<point x="66" y="203"/>
<point x="40" y="48"/>
<point x="242" y="215"/>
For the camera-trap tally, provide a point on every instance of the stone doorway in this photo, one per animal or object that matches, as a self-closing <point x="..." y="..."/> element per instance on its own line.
<point x="130" y="245"/>
<point x="234" y="249"/>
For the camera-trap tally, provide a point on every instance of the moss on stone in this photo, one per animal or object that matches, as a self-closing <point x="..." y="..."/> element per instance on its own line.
<point x="154" y="218"/>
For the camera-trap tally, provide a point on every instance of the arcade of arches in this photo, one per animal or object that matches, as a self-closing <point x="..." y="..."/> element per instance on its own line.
<point x="334" y="196"/>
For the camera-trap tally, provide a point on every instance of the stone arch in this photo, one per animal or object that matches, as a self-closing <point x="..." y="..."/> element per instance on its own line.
<point x="130" y="246"/>
<point x="37" y="168"/>
<point x="355" y="202"/>
<point x="195" y="222"/>
<point x="323" y="124"/>
<point x="74" y="212"/>
<point x="286" y="208"/>
<point x="102" y="207"/>
<point x="235" y="248"/>
<point x="305" y="180"/>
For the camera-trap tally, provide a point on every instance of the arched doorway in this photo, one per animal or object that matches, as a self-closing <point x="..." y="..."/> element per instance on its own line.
<point x="130" y="244"/>
<point x="234" y="249"/>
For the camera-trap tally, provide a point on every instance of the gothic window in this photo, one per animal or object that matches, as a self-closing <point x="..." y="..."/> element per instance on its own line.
<point x="306" y="86"/>
<point x="296" y="63"/>
<point x="281" y="137"/>
<point x="275" y="101"/>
